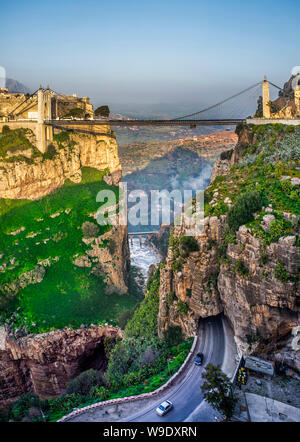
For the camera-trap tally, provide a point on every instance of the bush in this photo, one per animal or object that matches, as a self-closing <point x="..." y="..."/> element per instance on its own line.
<point x="182" y="308"/>
<point x="240" y="268"/>
<point x="51" y="152"/>
<point x="242" y="211"/>
<point x="76" y="112"/>
<point x="102" y="111"/>
<point x="129" y="356"/>
<point x="170" y="298"/>
<point x="89" y="229"/>
<point x="99" y="393"/>
<point x="85" y="381"/>
<point x="20" y="408"/>
<point x="188" y="244"/>
<point x="5" y="129"/>
<point x="173" y="336"/>
<point x="281" y="273"/>
<point x="279" y="228"/>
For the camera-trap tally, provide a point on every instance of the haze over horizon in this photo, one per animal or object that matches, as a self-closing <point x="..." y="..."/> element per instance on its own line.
<point x="159" y="52"/>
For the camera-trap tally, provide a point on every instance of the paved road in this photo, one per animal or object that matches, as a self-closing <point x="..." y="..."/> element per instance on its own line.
<point x="187" y="395"/>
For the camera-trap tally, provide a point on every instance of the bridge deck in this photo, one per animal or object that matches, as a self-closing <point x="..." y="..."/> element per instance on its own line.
<point x="224" y="122"/>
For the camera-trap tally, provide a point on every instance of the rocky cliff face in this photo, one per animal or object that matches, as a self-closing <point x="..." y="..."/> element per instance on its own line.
<point x="43" y="364"/>
<point x="112" y="261"/>
<point x="240" y="277"/>
<point x="32" y="177"/>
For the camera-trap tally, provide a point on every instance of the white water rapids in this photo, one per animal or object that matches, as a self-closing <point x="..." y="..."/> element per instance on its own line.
<point x="142" y="256"/>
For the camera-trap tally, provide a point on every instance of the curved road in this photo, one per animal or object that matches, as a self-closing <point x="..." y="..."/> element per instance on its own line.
<point x="187" y="395"/>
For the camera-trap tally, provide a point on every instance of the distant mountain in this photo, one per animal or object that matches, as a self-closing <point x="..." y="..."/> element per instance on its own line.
<point x="16" y="86"/>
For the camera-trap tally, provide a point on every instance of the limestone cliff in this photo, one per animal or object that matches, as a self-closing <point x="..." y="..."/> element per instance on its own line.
<point x="251" y="275"/>
<point x="31" y="175"/>
<point x="43" y="364"/>
<point x="112" y="261"/>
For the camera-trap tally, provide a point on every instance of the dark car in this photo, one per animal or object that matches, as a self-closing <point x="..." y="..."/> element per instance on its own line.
<point x="199" y="359"/>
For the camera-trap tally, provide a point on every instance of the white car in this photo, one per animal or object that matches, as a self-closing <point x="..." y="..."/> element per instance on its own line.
<point x="164" y="408"/>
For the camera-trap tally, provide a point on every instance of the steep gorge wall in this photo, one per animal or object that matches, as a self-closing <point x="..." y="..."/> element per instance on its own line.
<point x="264" y="311"/>
<point x="43" y="364"/>
<point x="32" y="177"/>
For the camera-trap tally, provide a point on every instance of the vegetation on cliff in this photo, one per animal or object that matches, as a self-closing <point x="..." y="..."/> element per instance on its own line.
<point x="260" y="180"/>
<point x="45" y="237"/>
<point x="139" y="363"/>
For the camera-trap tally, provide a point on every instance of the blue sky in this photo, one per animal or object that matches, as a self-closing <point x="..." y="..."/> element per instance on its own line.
<point x="148" y="52"/>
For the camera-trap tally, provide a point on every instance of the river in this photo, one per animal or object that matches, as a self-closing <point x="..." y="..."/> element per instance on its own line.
<point x="142" y="256"/>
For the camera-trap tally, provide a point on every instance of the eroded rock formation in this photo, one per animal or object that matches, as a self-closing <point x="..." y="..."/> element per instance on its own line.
<point x="263" y="310"/>
<point x="34" y="177"/>
<point x="43" y="364"/>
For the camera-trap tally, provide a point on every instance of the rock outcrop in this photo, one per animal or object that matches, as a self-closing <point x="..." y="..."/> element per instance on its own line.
<point x="43" y="364"/>
<point x="109" y="256"/>
<point x="34" y="177"/>
<point x="239" y="278"/>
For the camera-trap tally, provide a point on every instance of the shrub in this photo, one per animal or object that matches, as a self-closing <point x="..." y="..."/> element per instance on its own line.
<point x="170" y="298"/>
<point x="84" y="382"/>
<point x="182" y="308"/>
<point x="240" y="268"/>
<point x="5" y="129"/>
<point x="99" y="393"/>
<point x="281" y="273"/>
<point x="173" y="336"/>
<point x="89" y="229"/>
<point x="177" y="265"/>
<point x="129" y="356"/>
<point x="20" y="408"/>
<point x="51" y="152"/>
<point x="188" y="244"/>
<point x="102" y="111"/>
<point x="279" y="228"/>
<point x="242" y="211"/>
<point x="227" y="239"/>
<point x="76" y="112"/>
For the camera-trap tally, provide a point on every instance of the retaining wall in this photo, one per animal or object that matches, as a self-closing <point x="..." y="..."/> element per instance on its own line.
<point x="137" y="397"/>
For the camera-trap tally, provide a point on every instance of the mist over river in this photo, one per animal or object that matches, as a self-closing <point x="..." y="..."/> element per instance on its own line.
<point x="142" y="255"/>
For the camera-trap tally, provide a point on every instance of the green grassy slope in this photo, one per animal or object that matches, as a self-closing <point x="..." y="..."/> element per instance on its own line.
<point x="51" y="229"/>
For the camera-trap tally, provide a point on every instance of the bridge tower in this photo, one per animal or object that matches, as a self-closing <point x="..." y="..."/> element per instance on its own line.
<point x="266" y="98"/>
<point x="44" y="133"/>
<point x="297" y="100"/>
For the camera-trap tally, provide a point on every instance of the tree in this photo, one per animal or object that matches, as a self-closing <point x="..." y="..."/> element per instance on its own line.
<point x="75" y="112"/>
<point x="89" y="229"/>
<point x="102" y="111"/>
<point x="217" y="390"/>
<point x="242" y="211"/>
<point x="83" y="383"/>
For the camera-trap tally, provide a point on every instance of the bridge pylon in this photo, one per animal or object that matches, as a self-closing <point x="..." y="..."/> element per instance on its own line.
<point x="44" y="134"/>
<point x="266" y="98"/>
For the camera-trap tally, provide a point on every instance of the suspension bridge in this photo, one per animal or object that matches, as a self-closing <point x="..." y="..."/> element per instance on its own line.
<point x="256" y="101"/>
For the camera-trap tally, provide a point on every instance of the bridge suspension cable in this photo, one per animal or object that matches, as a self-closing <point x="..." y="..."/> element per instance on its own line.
<point x="31" y="95"/>
<point x="218" y="104"/>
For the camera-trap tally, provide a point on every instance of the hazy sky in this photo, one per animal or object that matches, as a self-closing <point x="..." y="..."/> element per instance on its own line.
<point x="149" y="51"/>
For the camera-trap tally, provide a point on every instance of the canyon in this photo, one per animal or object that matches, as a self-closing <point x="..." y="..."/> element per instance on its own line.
<point x="244" y="284"/>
